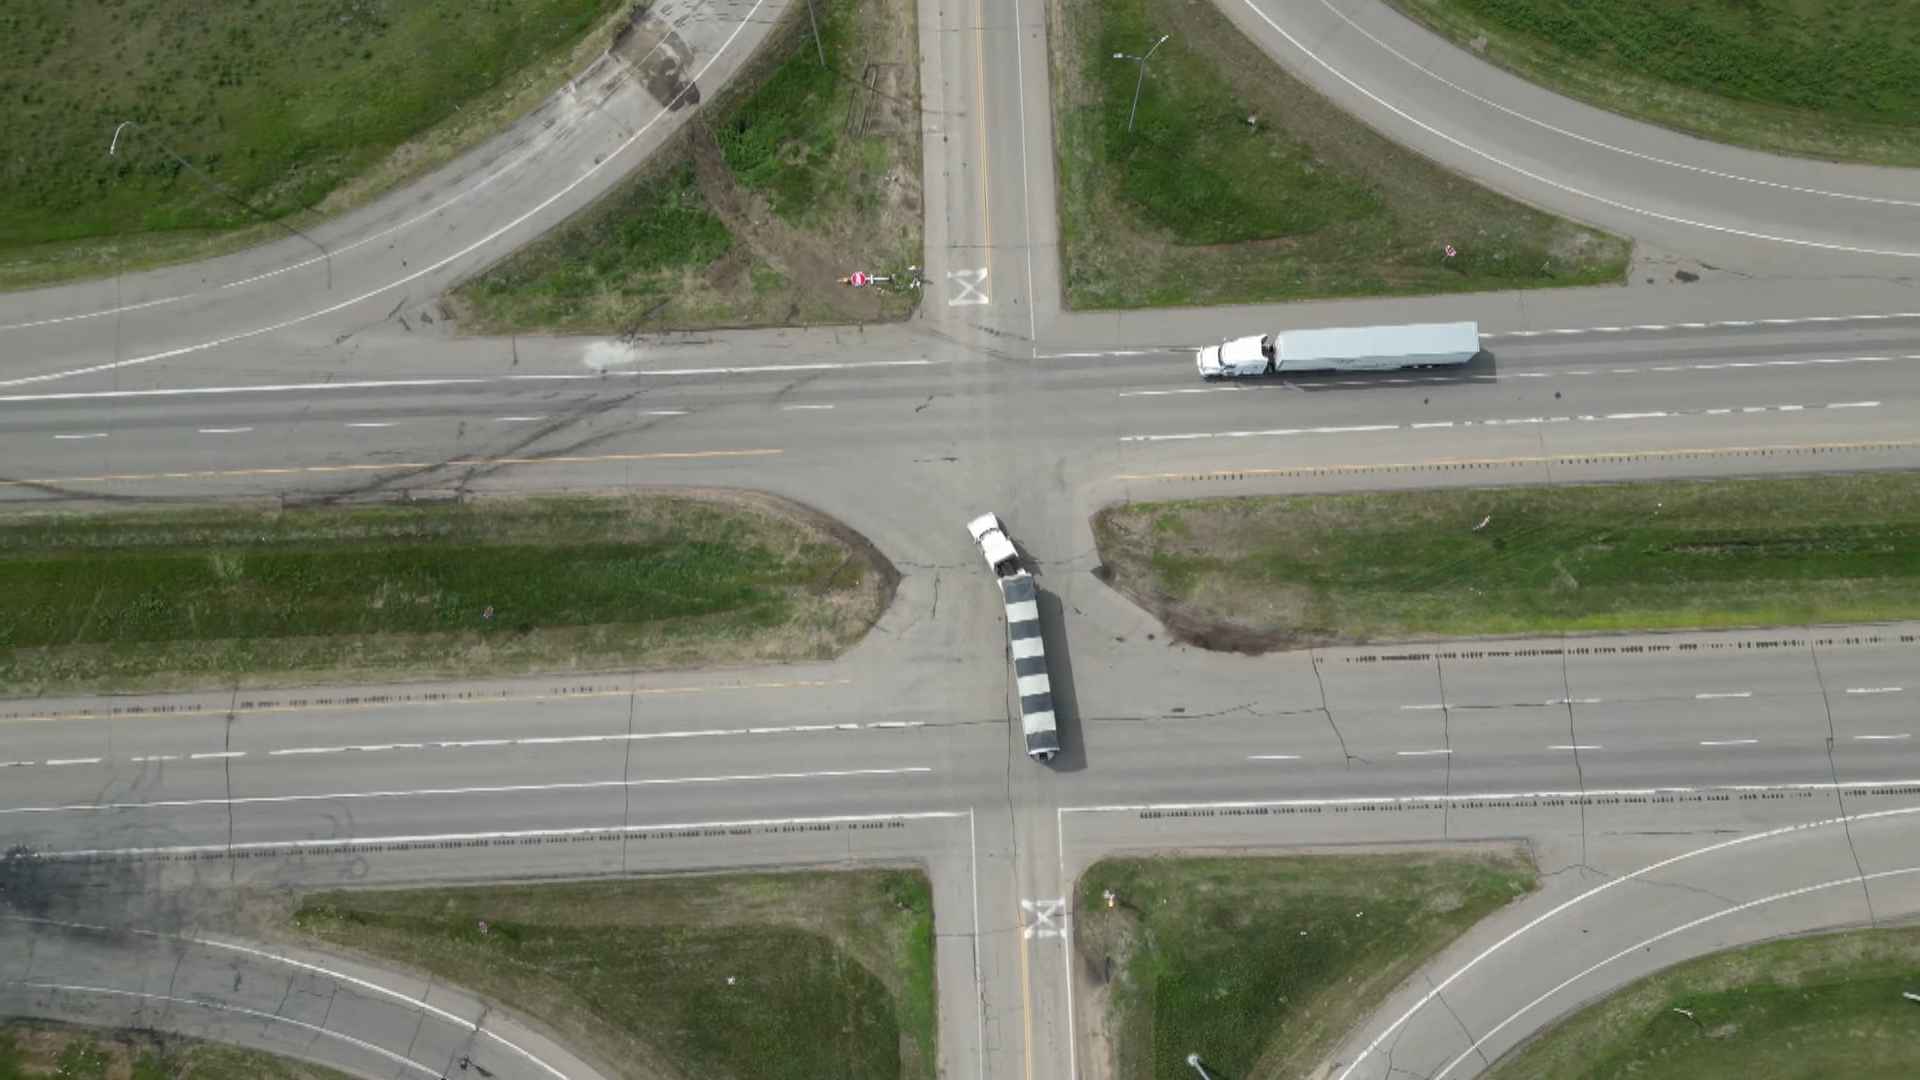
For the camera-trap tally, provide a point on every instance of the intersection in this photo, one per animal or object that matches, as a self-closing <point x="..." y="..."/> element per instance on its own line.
<point x="1766" y="775"/>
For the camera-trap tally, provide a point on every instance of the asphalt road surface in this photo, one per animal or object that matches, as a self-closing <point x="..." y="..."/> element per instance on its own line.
<point x="1680" y="792"/>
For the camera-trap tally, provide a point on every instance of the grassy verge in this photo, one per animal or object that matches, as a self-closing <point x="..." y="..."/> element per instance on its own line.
<point x="299" y="107"/>
<point x="1833" y="79"/>
<point x="1823" y="1008"/>
<point x="207" y="597"/>
<point x="1262" y="965"/>
<point x="800" y="174"/>
<point x="774" y="976"/>
<point x="30" y="1050"/>
<point x="1598" y="558"/>
<point x="1240" y="184"/>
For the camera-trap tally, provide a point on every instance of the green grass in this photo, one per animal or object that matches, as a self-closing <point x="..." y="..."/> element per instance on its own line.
<point x="216" y="595"/>
<point x="1584" y="558"/>
<point x="33" y="1050"/>
<point x="1822" y="1008"/>
<point x="805" y="203"/>
<point x="639" y="254"/>
<point x="833" y="971"/>
<point x="281" y="103"/>
<point x="1198" y="206"/>
<point x="1261" y="965"/>
<point x="1835" y="79"/>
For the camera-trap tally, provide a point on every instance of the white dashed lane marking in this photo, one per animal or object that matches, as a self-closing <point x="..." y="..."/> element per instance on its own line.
<point x="1728" y="742"/>
<point x="1879" y="738"/>
<point x="225" y="430"/>
<point x="471" y="744"/>
<point x="1576" y="746"/>
<point x="509" y="789"/>
<point x="1873" y="689"/>
<point x="1421" y="753"/>
<point x="1735" y="694"/>
<point x="1273" y="757"/>
<point x="373" y="424"/>
<point x="91" y="435"/>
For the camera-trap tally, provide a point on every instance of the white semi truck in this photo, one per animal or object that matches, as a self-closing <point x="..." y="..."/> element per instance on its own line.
<point x="1350" y="348"/>
<point x="1024" y="647"/>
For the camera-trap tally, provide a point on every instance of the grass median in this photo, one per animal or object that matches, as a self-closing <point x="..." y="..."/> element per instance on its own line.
<point x="1261" y="573"/>
<point x="1261" y="965"/>
<point x="1820" y="1008"/>
<point x="294" y="107"/>
<point x="245" y="597"/>
<point x="34" y="1049"/>
<point x="777" y="976"/>
<point x="799" y="174"/>
<point x="1830" y="79"/>
<point x="1233" y="182"/>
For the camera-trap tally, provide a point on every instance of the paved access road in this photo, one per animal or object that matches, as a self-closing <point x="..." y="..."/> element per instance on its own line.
<point x="1711" y="788"/>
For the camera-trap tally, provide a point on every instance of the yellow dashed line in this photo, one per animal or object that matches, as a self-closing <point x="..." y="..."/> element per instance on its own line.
<point x="1555" y="459"/>
<point x="302" y="470"/>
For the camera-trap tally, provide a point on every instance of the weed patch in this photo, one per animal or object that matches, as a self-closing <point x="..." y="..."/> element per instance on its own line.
<point x="1238" y="184"/>
<point x="1625" y="557"/>
<point x="780" y="976"/>
<point x="1263" y="964"/>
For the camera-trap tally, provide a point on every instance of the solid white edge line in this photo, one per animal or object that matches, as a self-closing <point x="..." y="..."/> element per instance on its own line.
<point x="1491" y="796"/>
<point x="465" y="380"/>
<point x="1436" y="989"/>
<point x="1555" y="184"/>
<point x="1855" y="879"/>
<point x="352" y="842"/>
<point x="746" y="19"/>
<point x="270" y="1018"/>
<point x="263" y="954"/>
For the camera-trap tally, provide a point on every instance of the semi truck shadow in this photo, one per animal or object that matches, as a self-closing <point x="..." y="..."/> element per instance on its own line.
<point x="1482" y="368"/>
<point x="1066" y="708"/>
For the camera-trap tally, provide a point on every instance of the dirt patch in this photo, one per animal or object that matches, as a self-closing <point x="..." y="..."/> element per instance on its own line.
<point x="804" y="261"/>
<point x="1191" y="626"/>
<point x="659" y="59"/>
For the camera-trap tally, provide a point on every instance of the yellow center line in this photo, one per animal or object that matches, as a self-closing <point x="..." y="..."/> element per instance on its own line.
<point x="457" y="463"/>
<point x="335" y="704"/>
<point x="980" y="102"/>
<point x="1624" y="455"/>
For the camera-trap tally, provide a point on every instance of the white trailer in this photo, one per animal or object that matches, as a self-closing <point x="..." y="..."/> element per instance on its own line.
<point x="1349" y="348"/>
<point x="1025" y="648"/>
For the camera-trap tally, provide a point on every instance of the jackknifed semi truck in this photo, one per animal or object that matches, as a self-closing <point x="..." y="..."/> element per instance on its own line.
<point x="1349" y="348"/>
<point x="1024" y="647"/>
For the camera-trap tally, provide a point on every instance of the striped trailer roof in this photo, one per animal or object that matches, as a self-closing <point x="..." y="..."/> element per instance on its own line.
<point x="1030" y="665"/>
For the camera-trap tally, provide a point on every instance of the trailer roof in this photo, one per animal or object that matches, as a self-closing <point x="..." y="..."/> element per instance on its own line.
<point x="1418" y="339"/>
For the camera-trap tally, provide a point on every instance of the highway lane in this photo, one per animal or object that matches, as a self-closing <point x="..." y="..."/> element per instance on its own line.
<point x="1040" y="446"/>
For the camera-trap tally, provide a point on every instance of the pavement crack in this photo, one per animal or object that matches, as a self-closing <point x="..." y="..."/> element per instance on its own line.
<point x="1346" y="756"/>
<point x="1573" y="740"/>
<point x="1833" y="774"/>
<point x="1472" y="1042"/>
<point x="1446" y="743"/>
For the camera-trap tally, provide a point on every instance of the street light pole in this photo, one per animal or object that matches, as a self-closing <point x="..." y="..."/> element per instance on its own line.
<point x="113" y="150"/>
<point x="1194" y="1060"/>
<point x="1141" y="81"/>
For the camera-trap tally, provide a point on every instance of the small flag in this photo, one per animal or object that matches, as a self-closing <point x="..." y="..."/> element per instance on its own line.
<point x="1450" y="252"/>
